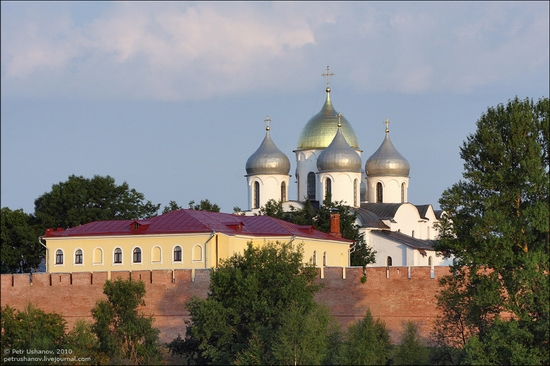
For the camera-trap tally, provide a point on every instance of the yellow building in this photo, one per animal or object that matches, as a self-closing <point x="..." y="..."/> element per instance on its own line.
<point x="182" y="239"/>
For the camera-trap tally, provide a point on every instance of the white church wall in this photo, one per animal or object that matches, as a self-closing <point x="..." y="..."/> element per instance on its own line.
<point x="342" y="187"/>
<point x="270" y="188"/>
<point x="306" y="162"/>
<point x="391" y="189"/>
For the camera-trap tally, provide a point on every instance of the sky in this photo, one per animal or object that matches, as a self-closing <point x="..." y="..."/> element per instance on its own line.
<point x="171" y="97"/>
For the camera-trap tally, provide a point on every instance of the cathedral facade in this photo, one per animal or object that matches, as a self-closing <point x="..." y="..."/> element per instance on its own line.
<point x="329" y="164"/>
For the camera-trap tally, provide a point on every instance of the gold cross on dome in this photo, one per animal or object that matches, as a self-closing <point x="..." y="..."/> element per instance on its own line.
<point x="267" y="120"/>
<point x="387" y="122"/>
<point x="328" y="74"/>
<point x="340" y="115"/>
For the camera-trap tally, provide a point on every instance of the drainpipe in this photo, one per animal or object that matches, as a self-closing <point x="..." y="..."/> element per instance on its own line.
<point x="47" y="253"/>
<point x="205" y="251"/>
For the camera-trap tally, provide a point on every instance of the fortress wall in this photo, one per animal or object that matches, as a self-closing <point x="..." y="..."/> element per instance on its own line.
<point x="389" y="293"/>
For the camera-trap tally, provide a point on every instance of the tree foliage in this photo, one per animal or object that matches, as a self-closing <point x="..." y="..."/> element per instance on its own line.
<point x="368" y="342"/>
<point x="411" y="350"/>
<point x="81" y="200"/>
<point x="31" y="328"/>
<point x="204" y="205"/>
<point x="496" y="225"/>
<point x="260" y="309"/>
<point x="123" y="334"/>
<point x="20" y="250"/>
<point x="361" y="254"/>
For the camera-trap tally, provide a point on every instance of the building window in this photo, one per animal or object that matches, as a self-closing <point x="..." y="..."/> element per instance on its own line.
<point x="379" y="193"/>
<point x="137" y="255"/>
<point x="355" y="192"/>
<point x="402" y="192"/>
<point x="78" y="256"/>
<point x="412" y="234"/>
<point x="283" y="192"/>
<point x="315" y="258"/>
<point x="430" y="260"/>
<point x="58" y="256"/>
<point x="328" y="188"/>
<point x="388" y="262"/>
<point x="325" y="259"/>
<point x="256" y="195"/>
<point x="118" y="255"/>
<point x="311" y="186"/>
<point x="177" y="254"/>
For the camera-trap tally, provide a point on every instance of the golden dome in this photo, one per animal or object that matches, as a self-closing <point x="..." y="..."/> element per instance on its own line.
<point x="320" y="130"/>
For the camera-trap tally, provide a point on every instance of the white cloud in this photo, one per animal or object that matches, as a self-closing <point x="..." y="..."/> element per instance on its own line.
<point x="197" y="50"/>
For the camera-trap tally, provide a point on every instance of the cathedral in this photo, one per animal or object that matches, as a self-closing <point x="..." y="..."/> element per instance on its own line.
<point x="328" y="163"/>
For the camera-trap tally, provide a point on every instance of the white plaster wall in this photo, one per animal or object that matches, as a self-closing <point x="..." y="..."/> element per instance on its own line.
<point x="270" y="188"/>
<point x="391" y="189"/>
<point x="306" y="161"/>
<point x="342" y="187"/>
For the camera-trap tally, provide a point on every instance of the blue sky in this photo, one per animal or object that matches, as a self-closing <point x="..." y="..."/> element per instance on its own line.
<point x="171" y="97"/>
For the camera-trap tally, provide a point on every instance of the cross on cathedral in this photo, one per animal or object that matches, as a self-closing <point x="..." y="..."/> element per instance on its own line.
<point x="267" y="120"/>
<point x="387" y="123"/>
<point x="328" y="74"/>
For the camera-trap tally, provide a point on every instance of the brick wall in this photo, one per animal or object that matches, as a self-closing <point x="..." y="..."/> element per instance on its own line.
<point x="389" y="294"/>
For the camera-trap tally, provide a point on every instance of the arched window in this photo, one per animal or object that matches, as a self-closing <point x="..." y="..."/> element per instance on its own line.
<point x="283" y="191"/>
<point x="388" y="261"/>
<point x="402" y="192"/>
<point x="118" y="255"/>
<point x="137" y="255"/>
<point x="315" y="258"/>
<point x="379" y="193"/>
<point x="311" y="186"/>
<point x="325" y="259"/>
<point x="177" y="254"/>
<point x="256" y="195"/>
<point x="430" y="260"/>
<point x="355" y="192"/>
<point x="412" y="234"/>
<point x="78" y="256"/>
<point x="328" y="187"/>
<point x="58" y="256"/>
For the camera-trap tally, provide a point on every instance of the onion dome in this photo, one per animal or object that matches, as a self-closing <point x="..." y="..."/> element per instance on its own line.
<point x="387" y="161"/>
<point x="268" y="159"/>
<point x="321" y="128"/>
<point x="339" y="156"/>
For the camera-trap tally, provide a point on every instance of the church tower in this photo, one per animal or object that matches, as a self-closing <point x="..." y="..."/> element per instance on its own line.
<point x="267" y="173"/>
<point x="387" y="174"/>
<point x="315" y="137"/>
<point x="339" y="171"/>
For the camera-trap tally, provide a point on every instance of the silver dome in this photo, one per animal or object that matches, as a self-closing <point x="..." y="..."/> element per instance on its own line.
<point x="268" y="159"/>
<point x="387" y="161"/>
<point x="339" y="156"/>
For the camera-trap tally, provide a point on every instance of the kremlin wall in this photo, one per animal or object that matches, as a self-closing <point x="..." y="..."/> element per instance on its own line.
<point x="394" y="294"/>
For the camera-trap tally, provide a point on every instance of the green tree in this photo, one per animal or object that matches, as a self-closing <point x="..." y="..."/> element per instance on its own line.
<point x="361" y="254"/>
<point x="172" y="206"/>
<point x="368" y="342"/>
<point x="496" y="225"/>
<point x="123" y="334"/>
<point x="251" y="310"/>
<point x="81" y="200"/>
<point x="83" y="343"/>
<point x="204" y="205"/>
<point x="21" y="251"/>
<point x="411" y="350"/>
<point x="31" y="328"/>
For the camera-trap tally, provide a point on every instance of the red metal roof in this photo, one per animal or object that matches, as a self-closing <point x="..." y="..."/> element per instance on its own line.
<point x="191" y="221"/>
